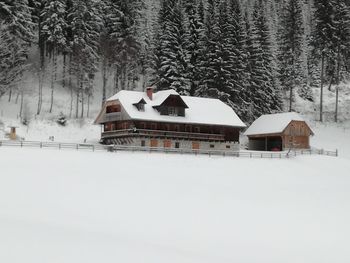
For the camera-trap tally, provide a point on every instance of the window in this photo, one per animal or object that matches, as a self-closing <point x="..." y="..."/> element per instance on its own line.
<point x="141" y="107"/>
<point x="212" y="146"/>
<point x="228" y="147"/>
<point x="154" y="126"/>
<point x="177" y="128"/>
<point x="181" y="112"/>
<point x="172" y="111"/>
<point x="143" y="143"/>
<point x="113" y="108"/>
<point x="197" y="129"/>
<point x="177" y="145"/>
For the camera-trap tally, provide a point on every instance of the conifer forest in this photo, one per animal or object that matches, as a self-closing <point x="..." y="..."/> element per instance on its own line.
<point x="255" y="55"/>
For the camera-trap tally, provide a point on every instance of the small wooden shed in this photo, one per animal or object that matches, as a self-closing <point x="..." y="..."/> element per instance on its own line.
<point x="278" y="132"/>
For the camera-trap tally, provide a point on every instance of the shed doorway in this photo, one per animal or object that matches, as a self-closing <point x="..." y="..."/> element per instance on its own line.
<point x="266" y="144"/>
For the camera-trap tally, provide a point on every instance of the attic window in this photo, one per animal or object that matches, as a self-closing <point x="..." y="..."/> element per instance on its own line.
<point x="140" y="105"/>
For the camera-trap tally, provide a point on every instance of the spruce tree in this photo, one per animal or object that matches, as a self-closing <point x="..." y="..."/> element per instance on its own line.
<point x="322" y="38"/>
<point x="127" y="47"/>
<point x="194" y="43"/>
<point x="53" y="29"/>
<point x="267" y="97"/>
<point x="16" y="35"/>
<point x="237" y="37"/>
<point x="341" y="42"/>
<point x="208" y="87"/>
<point x="170" y="61"/>
<point x="291" y="41"/>
<point x="84" y="24"/>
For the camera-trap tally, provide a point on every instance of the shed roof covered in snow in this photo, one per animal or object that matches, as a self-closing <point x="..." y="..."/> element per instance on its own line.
<point x="272" y="123"/>
<point x="198" y="110"/>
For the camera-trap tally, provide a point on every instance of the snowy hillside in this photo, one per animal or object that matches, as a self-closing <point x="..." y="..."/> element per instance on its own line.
<point x="67" y="206"/>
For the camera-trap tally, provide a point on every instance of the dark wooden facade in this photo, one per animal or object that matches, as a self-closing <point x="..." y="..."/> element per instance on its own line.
<point x="170" y="130"/>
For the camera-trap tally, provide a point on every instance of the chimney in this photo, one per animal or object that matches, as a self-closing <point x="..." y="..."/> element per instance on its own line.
<point x="149" y="92"/>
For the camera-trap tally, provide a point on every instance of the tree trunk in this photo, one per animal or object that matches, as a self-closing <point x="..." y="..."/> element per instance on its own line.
<point x="64" y="72"/>
<point x="10" y="94"/>
<point x="40" y="92"/>
<point x="21" y="107"/>
<point x="337" y="88"/>
<point x="321" y="95"/>
<point x="88" y="106"/>
<point x="70" y="85"/>
<point x="116" y="81"/>
<point x="291" y="98"/>
<point x="77" y="102"/>
<point x="82" y="99"/>
<point x="17" y="97"/>
<point x="53" y="79"/>
<point x="104" y="83"/>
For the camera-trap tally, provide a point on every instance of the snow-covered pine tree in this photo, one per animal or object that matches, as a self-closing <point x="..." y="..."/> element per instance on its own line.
<point x="194" y="42"/>
<point x="16" y="35"/>
<point x="254" y="71"/>
<point x="124" y="29"/>
<point x="322" y="38"/>
<point x="53" y="30"/>
<point x="146" y="23"/>
<point x="106" y="43"/>
<point x="267" y="96"/>
<point x="170" y="52"/>
<point x="208" y="86"/>
<point x="290" y="45"/>
<point x="222" y="64"/>
<point x="341" y="42"/>
<point x="85" y="28"/>
<point x="239" y="75"/>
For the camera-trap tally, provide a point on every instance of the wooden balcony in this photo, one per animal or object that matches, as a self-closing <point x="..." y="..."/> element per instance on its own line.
<point x="110" y="117"/>
<point x="162" y="134"/>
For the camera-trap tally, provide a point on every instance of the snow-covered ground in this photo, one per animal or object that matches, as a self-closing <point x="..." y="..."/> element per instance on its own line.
<point x="67" y="206"/>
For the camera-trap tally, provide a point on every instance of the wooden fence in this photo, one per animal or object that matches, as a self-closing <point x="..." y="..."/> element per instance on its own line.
<point x="116" y="148"/>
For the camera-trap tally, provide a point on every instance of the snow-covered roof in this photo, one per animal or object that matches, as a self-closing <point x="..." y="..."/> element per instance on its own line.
<point x="272" y="123"/>
<point x="200" y="110"/>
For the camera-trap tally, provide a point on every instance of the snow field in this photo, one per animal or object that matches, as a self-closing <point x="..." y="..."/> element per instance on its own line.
<point x="67" y="206"/>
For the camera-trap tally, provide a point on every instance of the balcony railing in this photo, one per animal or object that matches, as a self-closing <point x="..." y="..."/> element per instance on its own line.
<point x="113" y="116"/>
<point x="163" y="134"/>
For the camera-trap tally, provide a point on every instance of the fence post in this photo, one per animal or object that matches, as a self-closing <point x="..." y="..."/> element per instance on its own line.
<point x="21" y="143"/>
<point x="93" y="148"/>
<point x="336" y="153"/>
<point x="77" y="146"/>
<point x="59" y="146"/>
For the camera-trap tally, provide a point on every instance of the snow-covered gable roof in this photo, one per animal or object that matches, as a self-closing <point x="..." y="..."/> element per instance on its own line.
<point x="200" y="110"/>
<point x="272" y="123"/>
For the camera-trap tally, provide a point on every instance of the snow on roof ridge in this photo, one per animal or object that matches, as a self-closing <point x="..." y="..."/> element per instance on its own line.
<point x="272" y="123"/>
<point x="212" y="112"/>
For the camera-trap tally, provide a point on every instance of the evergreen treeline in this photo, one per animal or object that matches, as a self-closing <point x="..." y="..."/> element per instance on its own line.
<point x="253" y="55"/>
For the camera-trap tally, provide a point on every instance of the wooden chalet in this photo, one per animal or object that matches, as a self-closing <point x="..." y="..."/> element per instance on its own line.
<point x="166" y="119"/>
<point x="278" y="132"/>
